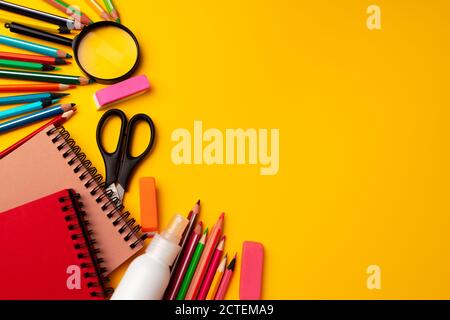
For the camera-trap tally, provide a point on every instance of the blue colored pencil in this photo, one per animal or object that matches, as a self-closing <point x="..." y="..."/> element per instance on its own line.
<point x="34" y="47"/>
<point x="28" y="98"/>
<point x="26" y="108"/>
<point x="35" y="117"/>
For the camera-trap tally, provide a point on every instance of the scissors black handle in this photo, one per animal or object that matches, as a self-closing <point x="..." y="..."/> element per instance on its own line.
<point x="112" y="159"/>
<point x="129" y="163"/>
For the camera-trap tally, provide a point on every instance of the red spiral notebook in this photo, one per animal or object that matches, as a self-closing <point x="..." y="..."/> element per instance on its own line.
<point x="47" y="252"/>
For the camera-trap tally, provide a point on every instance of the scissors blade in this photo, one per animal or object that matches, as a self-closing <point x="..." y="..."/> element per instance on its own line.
<point x="117" y="191"/>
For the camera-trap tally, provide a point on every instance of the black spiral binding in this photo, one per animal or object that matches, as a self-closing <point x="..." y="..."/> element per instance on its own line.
<point x="80" y="227"/>
<point x="82" y="166"/>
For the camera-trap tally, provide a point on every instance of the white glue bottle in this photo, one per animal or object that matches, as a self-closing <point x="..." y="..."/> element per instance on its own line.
<point x="148" y="275"/>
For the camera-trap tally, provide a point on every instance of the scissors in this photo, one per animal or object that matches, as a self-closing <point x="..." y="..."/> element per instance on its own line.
<point x="120" y="164"/>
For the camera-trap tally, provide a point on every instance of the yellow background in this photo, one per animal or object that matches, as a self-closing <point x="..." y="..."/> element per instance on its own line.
<point x="364" y="135"/>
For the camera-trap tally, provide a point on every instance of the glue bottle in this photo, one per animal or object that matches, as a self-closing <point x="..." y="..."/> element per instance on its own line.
<point x="148" y="275"/>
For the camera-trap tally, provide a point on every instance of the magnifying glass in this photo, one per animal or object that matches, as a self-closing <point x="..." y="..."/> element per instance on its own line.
<point x="105" y="51"/>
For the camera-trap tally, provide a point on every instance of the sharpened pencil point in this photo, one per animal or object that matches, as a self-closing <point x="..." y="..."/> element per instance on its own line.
<point x="91" y="81"/>
<point x="47" y="67"/>
<point x="198" y="202"/>
<point x="73" y="104"/>
<point x="68" y="56"/>
<point x="60" y="95"/>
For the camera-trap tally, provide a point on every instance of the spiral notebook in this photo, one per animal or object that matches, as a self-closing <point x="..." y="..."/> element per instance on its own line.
<point x="47" y="252"/>
<point x="51" y="161"/>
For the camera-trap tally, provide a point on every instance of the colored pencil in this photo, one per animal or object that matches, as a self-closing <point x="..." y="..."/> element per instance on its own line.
<point x="38" y="34"/>
<point x="200" y="273"/>
<point x="27" y="98"/>
<point x="26" y="108"/>
<point x="99" y="10"/>
<point x="180" y="270"/>
<point x="35" y="117"/>
<point x="33" y="87"/>
<point x="44" y="77"/>
<point x="40" y="15"/>
<point x="34" y="47"/>
<point x="192" y="217"/>
<point x="32" y="58"/>
<point x="26" y="65"/>
<point x="226" y="279"/>
<point x="217" y="278"/>
<point x="57" y="121"/>
<point x="112" y="10"/>
<point x="70" y="10"/>
<point x="41" y="26"/>
<point x="192" y="266"/>
<point x="206" y="284"/>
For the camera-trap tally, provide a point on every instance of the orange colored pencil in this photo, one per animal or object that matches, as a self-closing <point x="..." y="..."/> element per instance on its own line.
<point x="217" y="278"/>
<point x="203" y="265"/>
<point x="33" y="87"/>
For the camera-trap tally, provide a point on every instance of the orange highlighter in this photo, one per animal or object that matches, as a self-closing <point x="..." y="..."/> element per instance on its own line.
<point x="149" y="207"/>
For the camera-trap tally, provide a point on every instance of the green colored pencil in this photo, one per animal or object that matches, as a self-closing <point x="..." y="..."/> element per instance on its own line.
<point x="192" y="266"/>
<point x="44" y="77"/>
<point x="26" y="65"/>
<point x="112" y="10"/>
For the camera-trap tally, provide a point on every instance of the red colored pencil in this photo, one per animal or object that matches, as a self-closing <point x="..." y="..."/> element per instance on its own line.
<point x="32" y="58"/>
<point x="57" y="121"/>
<point x="70" y="11"/>
<point x="192" y="217"/>
<point x="180" y="271"/>
<point x="225" y="283"/>
<point x="203" y="264"/>
<point x="33" y="87"/>
<point x="211" y="270"/>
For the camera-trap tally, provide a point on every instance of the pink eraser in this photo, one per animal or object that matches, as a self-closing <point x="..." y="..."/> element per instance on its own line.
<point x="121" y="91"/>
<point x="252" y="261"/>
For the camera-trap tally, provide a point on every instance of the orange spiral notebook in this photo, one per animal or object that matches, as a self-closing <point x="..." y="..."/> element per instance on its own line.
<point x="51" y="161"/>
<point x="47" y="252"/>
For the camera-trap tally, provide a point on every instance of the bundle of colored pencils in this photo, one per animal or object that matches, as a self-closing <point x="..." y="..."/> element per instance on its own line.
<point x="200" y="271"/>
<point x="32" y="108"/>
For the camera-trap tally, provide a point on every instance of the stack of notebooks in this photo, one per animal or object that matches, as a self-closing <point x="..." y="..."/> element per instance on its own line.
<point x="60" y="231"/>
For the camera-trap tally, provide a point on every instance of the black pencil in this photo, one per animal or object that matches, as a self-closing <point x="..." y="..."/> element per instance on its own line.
<point x="40" y="15"/>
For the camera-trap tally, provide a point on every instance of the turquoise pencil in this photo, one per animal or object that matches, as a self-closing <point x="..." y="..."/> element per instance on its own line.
<point x="35" y="117"/>
<point x="26" y="108"/>
<point x="34" y="47"/>
<point x="28" y="98"/>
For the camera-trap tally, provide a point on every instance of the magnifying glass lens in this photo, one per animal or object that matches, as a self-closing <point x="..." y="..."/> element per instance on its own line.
<point x="107" y="52"/>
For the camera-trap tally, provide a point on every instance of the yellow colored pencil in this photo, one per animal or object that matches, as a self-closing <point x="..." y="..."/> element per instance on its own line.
<point x="99" y="10"/>
<point x="217" y="278"/>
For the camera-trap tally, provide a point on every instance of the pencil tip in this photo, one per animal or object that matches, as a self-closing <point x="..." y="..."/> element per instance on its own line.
<point x="68" y="56"/>
<point x="73" y="105"/>
<point x="47" y="67"/>
<point x="222" y="215"/>
<point x="198" y="202"/>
